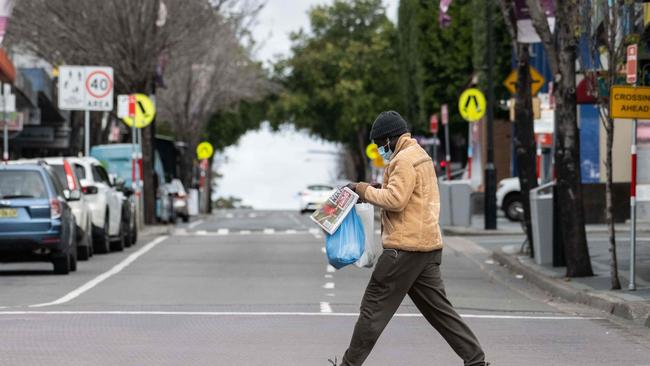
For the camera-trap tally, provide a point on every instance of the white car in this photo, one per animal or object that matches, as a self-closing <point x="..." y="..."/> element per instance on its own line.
<point x="105" y="204"/>
<point x="509" y="198"/>
<point x="314" y="196"/>
<point x="64" y="170"/>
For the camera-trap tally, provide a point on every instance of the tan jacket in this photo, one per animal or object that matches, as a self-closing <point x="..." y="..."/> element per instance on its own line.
<point x="409" y="200"/>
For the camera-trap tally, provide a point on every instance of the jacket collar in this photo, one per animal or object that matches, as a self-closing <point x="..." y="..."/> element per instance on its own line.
<point x="403" y="142"/>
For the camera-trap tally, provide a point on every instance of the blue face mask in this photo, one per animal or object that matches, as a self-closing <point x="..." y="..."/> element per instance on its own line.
<point x="385" y="153"/>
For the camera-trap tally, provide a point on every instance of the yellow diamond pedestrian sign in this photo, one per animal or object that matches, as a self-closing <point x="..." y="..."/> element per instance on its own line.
<point x="536" y="81"/>
<point x="204" y="150"/>
<point x="145" y="111"/>
<point x="472" y="105"/>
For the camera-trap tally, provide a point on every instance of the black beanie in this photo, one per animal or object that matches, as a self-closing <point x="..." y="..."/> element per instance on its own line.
<point x="388" y="124"/>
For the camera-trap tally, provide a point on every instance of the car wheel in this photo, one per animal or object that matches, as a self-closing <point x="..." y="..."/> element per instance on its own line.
<point x="186" y="218"/>
<point x="73" y="259"/>
<point x="103" y="238"/>
<point x="512" y="207"/>
<point x="61" y="264"/>
<point x="134" y="233"/>
<point x="119" y="244"/>
<point x="84" y="247"/>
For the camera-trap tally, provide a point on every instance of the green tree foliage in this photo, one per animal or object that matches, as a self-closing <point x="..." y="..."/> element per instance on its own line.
<point x="226" y="127"/>
<point x="343" y="72"/>
<point x="437" y="64"/>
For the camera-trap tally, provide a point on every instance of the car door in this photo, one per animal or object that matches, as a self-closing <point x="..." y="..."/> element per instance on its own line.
<point x="113" y="199"/>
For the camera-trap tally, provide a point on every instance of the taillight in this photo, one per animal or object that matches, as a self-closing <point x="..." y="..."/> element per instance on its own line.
<point x="55" y="208"/>
<point x="68" y="175"/>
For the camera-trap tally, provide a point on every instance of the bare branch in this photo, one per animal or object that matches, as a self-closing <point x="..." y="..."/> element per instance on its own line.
<point x="540" y="22"/>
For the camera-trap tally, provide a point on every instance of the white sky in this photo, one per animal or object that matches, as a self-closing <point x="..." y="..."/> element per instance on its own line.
<point x="267" y="169"/>
<point x="281" y="17"/>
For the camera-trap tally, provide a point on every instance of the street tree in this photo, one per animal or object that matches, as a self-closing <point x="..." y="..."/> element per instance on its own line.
<point x="524" y="128"/>
<point x="561" y="49"/>
<point x="133" y="37"/>
<point x="342" y="73"/>
<point x="205" y="77"/>
<point x="606" y="42"/>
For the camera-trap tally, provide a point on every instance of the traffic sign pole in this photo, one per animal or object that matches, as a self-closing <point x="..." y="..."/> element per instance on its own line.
<point x="5" y="140"/>
<point x="490" y="169"/>
<point x="86" y="132"/>
<point x="632" y="285"/>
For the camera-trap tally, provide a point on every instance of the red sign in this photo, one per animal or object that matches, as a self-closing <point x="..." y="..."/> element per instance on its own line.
<point x="132" y="102"/>
<point x="545" y="139"/>
<point x="632" y="51"/>
<point x="434" y="123"/>
<point x="445" y="114"/>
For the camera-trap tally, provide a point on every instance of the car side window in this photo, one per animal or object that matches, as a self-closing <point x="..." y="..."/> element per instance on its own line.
<point x="100" y="175"/>
<point x="80" y="171"/>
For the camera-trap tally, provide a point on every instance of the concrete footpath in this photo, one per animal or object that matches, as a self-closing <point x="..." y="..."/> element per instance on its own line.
<point x="591" y="291"/>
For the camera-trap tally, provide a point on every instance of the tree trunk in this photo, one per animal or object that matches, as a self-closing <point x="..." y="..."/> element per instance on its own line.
<point x="148" y="178"/>
<point x="609" y="213"/>
<point x="525" y="136"/>
<point x="567" y="149"/>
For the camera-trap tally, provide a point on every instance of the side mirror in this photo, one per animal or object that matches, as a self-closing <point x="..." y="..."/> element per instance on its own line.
<point x="66" y="194"/>
<point x="128" y="192"/>
<point x="89" y="190"/>
<point x="75" y="195"/>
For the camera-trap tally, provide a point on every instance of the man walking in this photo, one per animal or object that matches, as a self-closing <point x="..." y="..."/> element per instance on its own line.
<point x="410" y="264"/>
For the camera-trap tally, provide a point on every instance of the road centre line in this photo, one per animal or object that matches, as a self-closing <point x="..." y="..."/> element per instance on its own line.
<point x="223" y="232"/>
<point x="325" y="307"/>
<point x="269" y="231"/>
<point x="194" y="224"/>
<point x="104" y="276"/>
<point x="283" y="314"/>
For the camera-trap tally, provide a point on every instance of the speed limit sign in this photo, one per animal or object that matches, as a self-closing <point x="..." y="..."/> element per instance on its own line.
<point x="99" y="88"/>
<point x="87" y="88"/>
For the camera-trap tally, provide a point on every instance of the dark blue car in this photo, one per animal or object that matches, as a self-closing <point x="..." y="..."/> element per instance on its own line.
<point x="36" y="222"/>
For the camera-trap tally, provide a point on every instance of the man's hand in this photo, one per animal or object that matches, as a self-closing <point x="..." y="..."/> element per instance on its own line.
<point x="376" y="185"/>
<point x="352" y="186"/>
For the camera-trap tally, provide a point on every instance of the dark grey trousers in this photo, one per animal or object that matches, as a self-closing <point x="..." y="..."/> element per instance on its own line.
<point x="396" y="274"/>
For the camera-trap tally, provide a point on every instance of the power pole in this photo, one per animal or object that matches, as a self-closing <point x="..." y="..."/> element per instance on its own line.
<point x="490" y="169"/>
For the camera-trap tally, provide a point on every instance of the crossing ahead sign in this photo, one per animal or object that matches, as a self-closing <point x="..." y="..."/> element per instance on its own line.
<point x="630" y="102"/>
<point x="472" y="105"/>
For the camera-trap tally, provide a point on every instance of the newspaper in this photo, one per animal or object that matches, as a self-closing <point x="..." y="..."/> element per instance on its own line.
<point x="330" y="215"/>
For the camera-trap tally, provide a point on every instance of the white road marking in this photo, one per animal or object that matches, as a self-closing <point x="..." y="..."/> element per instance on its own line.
<point x="201" y="232"/>
<point x="314" y="231"/>
<point x="330" y="295"/>
<point x="252" y="215"/>
<point x="245" y="232"/>
<point x="330" y="269"/>
<point x="269" y="231"/>
<point x="229" y="216"/>
<point x="104" y="276"/>
<point x="328" y="276"/>
<point x="291" y="231"/>
<point x="223" y="232"/>
<point x="194" y="224"/>
<point x="267" y="314"/>
<point x="325" y="308"/>
<point x="328" y="285"/>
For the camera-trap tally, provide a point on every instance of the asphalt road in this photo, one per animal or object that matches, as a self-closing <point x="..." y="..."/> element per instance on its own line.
<point x="253" y="288"/>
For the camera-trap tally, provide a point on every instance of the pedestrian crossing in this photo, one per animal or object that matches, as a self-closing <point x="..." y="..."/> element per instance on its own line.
<point x="265" y="231"/>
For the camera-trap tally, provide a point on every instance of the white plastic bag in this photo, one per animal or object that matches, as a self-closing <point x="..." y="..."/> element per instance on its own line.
<point x="373" y="249"/>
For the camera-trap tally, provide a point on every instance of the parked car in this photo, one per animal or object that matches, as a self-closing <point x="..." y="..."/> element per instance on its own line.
<point x="179" y="197"/>
<point x="314" y="196"/>
<point x="509" y="198"/>
<point x="81" y="208"/>
<point x="105" y="204"/>
<point x="36" y="220"/>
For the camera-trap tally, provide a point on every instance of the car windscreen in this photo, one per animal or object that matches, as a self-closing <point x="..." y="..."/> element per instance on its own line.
<point x="22" y="184"/>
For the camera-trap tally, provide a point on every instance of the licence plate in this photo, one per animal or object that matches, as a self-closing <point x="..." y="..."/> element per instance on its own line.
<point x="8" y="212"/>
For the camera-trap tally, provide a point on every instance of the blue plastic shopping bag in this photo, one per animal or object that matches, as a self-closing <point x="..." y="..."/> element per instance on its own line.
<point x="346" y="245"/>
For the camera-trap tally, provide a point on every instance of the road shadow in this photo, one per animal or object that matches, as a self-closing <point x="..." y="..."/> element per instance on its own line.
<point x="26" y="272"/>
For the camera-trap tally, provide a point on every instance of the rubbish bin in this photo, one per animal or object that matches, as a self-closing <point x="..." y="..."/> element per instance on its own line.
<point x="541" y="216"/>
<point x="455" y="203"/>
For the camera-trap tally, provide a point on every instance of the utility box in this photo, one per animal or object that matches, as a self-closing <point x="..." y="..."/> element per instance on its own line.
<point x="455" y="203"/>
<point x="541" y="215"/>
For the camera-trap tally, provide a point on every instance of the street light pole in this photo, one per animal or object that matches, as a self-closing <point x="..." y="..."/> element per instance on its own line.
<point x="490" y="169"/>
<point x="5" y="134"/>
